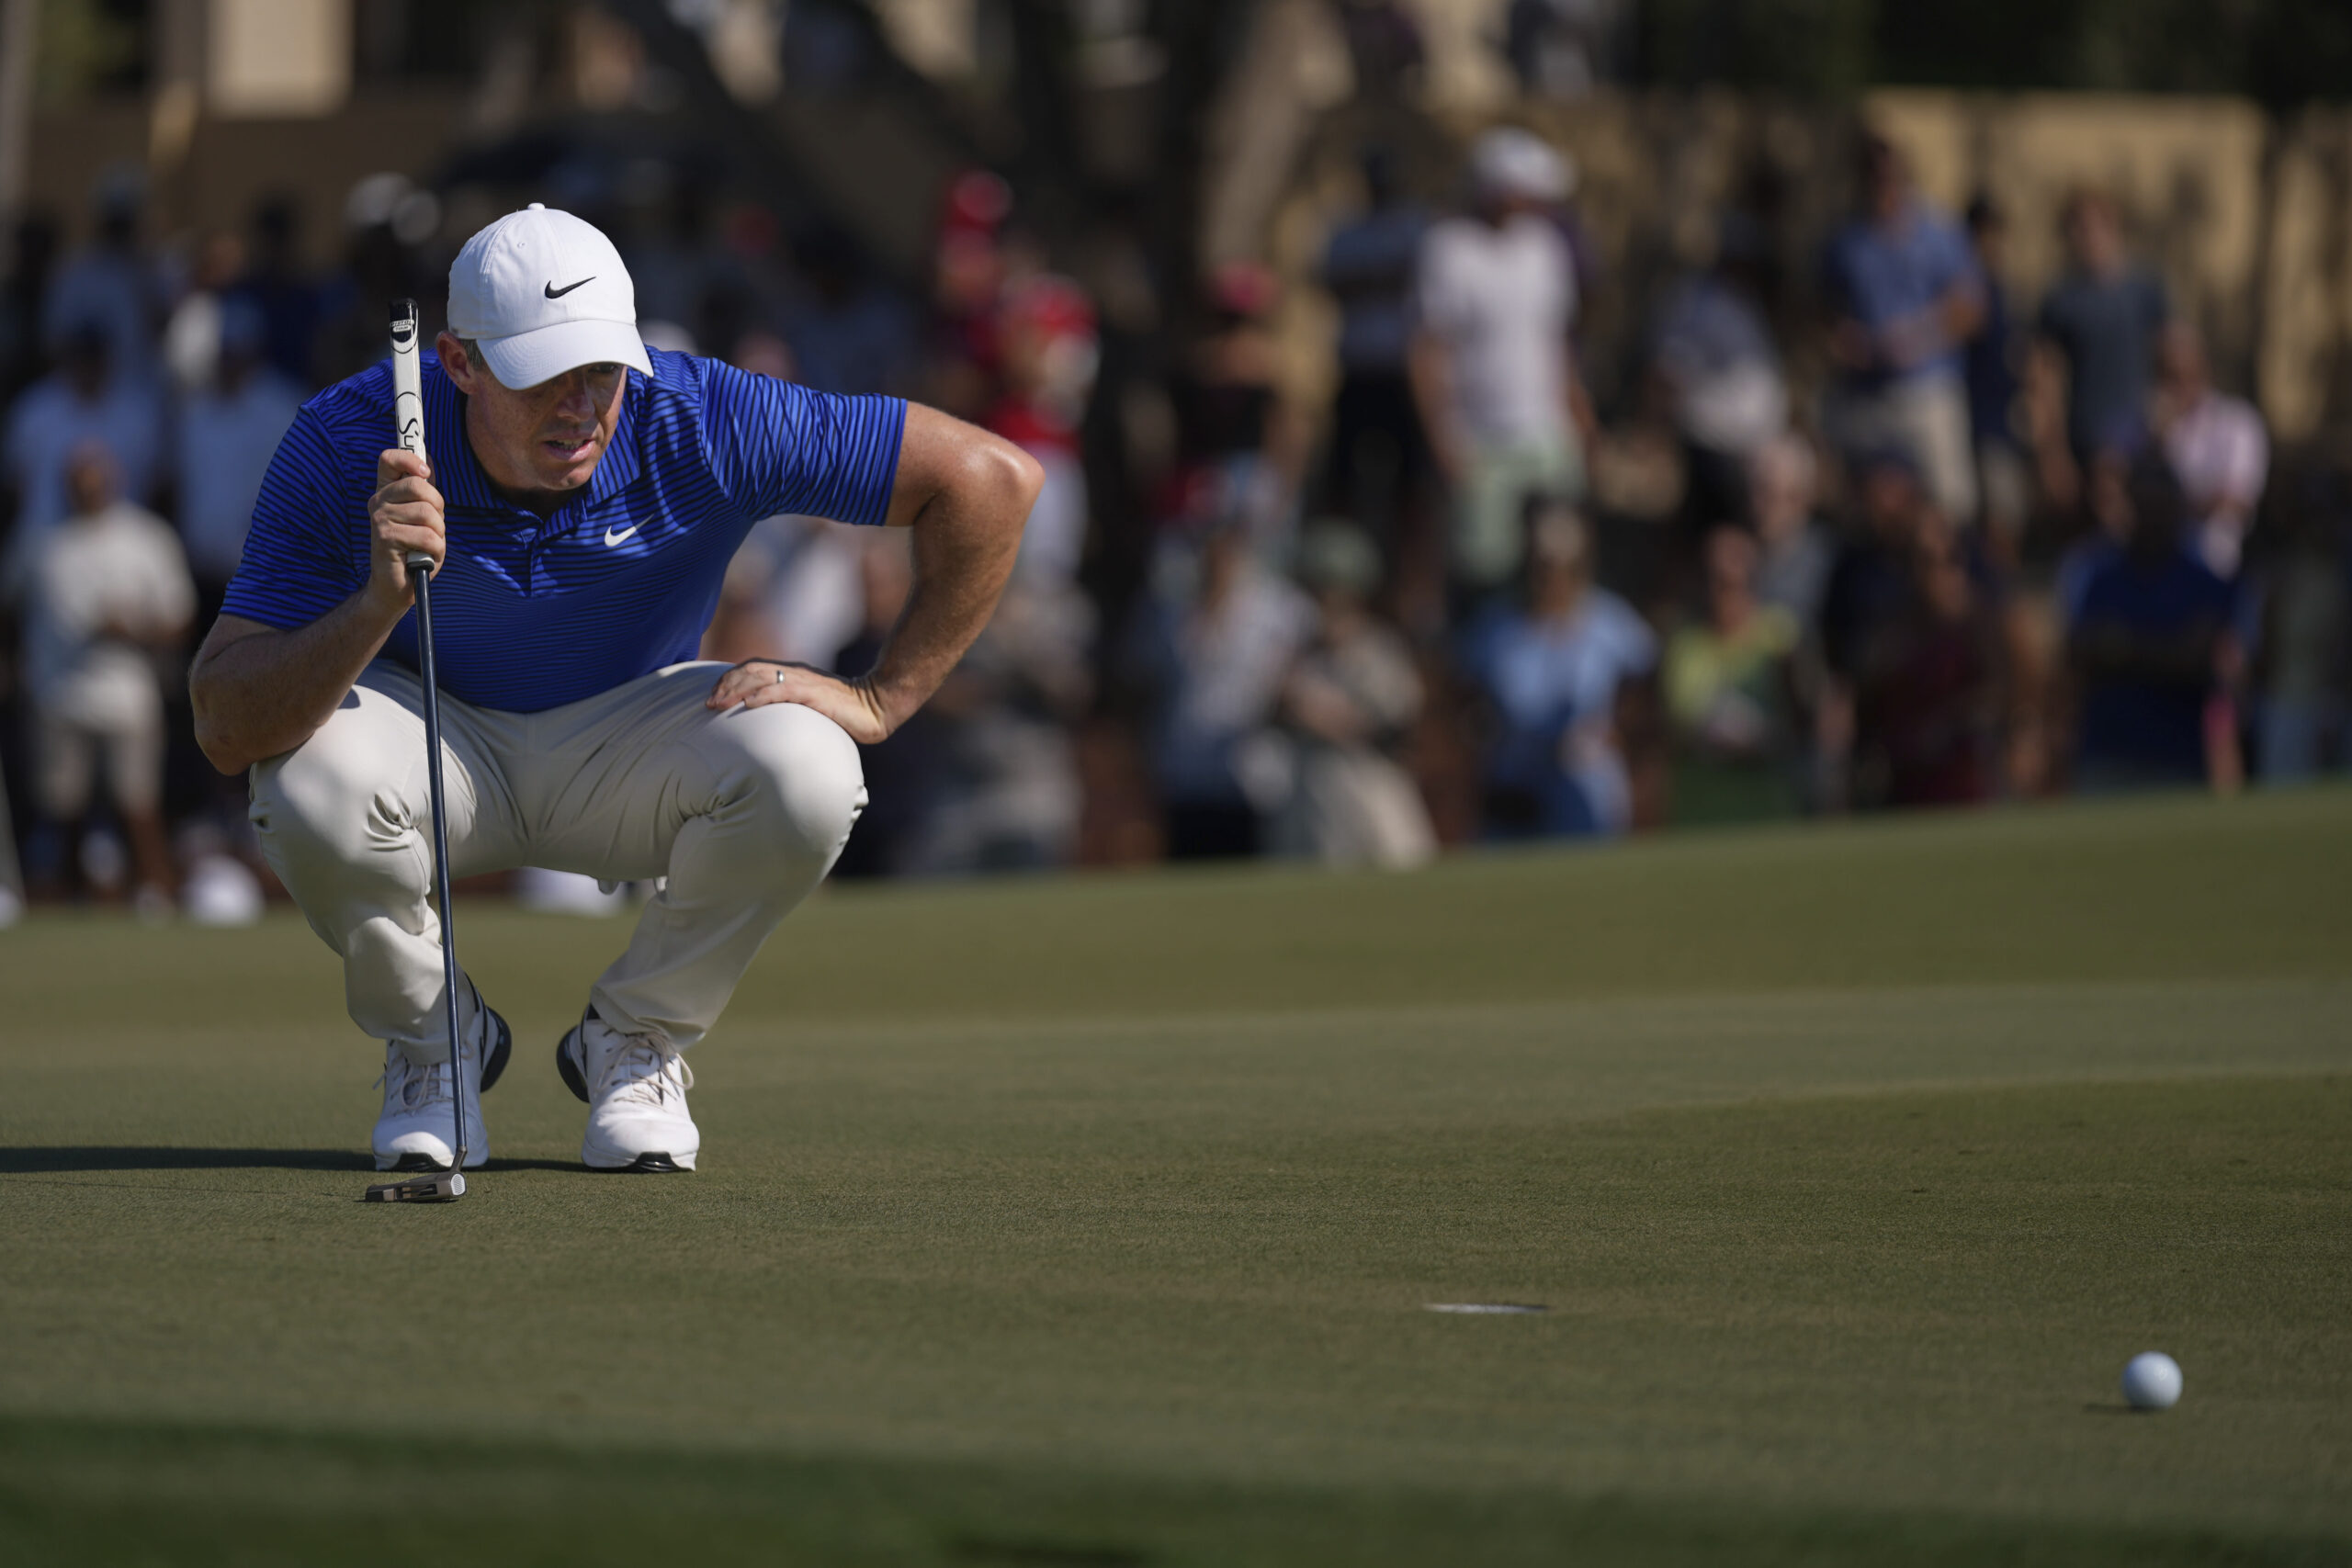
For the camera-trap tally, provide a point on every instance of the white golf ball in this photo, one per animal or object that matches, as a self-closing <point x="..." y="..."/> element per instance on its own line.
<point x="2152" y="1381"/>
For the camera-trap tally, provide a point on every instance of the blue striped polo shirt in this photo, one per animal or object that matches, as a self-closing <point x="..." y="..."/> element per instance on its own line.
<point x="529" y="612"/>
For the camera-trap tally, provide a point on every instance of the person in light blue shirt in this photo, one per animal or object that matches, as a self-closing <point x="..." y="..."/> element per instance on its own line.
<point x="1903" y="294"/>
<point x="582" y="497"/>
<point x="224" y="437"/>
<point x="1556" y="674"/>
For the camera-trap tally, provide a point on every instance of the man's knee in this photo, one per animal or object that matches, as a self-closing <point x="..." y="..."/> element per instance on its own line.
<point x="335" y="797"/>
<point x="805" y="780"/>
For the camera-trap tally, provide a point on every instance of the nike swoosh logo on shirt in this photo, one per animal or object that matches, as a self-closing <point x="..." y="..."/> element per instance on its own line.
<point x="612" y="538"/>
<point x="554" y="293"/>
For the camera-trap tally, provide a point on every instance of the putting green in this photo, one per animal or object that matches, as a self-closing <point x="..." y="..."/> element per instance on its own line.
<point x="1095" y="1222"/>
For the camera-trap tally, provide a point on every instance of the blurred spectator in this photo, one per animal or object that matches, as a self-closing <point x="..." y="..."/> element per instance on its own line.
<point x="1384" y="45"/>
<point x="795" y="590"/>
<point x="665" y="240"/>
<point x="1870" y="580"/>
<point x="1567" y="675"/>
<point x="2150" y="648"/>
<point x="279" y="288"/>
<point x="102" y="595"/>
<point x="1903" y="294"/>
<point x="1729" y="701"/>
<point x="383" y="216"/>
<point x="2306" y="639"/>
<point x="1556" y="48"/>
<point x="1990" y="364"/>
<point x="2107" y="501"/>
<point x="1216" y="661"/>
<point x="2102" y="318"/>
<point x="849" y="332"/>
<point x="192" y="335"/>
<point x="968" y="274"/>
<point x="1927" y="684"/>
<point x="1048" y="354"/>
<point x="1237" y="443"/>
<point x="1379" y="457"/>
<point x="228" y="430"/>
<point x="1715" y="353"/>
<point x="903" y="774"/>
<point x="1348" y="706"/>
<point x="1869" y="591"/>
<point x="1795" y="551"/>
<point x="82" y="400"/>
<point x="2217" y="446"/>
<point x="23" y="341"/>
<point x="108" y="283"/>
<point x="1009" y="797"/>
<point x="1494" y="369"/>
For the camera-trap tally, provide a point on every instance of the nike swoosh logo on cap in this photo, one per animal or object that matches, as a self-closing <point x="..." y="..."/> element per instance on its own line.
<point x="612" y="538"/>
<point x="555" y="293"/>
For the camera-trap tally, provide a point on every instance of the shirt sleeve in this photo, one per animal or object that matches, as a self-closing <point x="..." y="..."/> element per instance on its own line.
<point x="171" y="594"/>
<point x="2249" y="462"/>
<point x="298" y="560"/>
<point x="774" y="446"/>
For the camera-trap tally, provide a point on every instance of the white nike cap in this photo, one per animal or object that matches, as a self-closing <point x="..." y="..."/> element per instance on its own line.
<point x="541" y="292"/>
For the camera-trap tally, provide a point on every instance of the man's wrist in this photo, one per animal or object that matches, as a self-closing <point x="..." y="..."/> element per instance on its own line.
<point x="380" y="605"/>
<point x="890" y="701"/>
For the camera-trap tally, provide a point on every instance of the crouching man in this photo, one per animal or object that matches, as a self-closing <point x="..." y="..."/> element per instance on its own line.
<point x="584" y="498"/>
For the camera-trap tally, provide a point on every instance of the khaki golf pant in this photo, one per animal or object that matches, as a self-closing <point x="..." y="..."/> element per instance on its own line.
<point x="743" y="812"/>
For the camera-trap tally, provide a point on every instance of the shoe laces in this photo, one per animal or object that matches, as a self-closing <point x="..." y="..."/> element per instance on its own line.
<point x="414" y="1084"/>
<point x="420" y="1084"/>
<point x="640" y="1070"/>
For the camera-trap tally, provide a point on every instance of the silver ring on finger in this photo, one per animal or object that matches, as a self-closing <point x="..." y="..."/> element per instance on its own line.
<point x="779" y="675"/>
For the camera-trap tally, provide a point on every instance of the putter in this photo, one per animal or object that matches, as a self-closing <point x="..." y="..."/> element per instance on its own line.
<point x="408" y="421"/>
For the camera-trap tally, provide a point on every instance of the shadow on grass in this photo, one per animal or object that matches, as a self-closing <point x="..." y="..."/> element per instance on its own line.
<point x="100" y="1156"/>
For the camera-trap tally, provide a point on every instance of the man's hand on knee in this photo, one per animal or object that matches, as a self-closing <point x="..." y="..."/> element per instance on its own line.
<point x="756" y="682"/>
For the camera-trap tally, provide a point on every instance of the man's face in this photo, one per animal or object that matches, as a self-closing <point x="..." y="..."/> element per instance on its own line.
<point x="89" y="480"/>
<point x="2093" y="243"/>
<point x="547" y="437"/>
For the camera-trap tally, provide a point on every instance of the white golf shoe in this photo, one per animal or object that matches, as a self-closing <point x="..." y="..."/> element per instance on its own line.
<point x="414" y="1132"/>
<point x="636" y="1088"/>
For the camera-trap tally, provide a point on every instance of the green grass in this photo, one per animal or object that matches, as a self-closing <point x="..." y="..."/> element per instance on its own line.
<point x="1093" y="1220"/>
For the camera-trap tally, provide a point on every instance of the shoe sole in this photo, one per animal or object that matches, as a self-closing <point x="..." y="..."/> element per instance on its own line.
<point x="650" y="1163"/>
<point x="494" y="1066"/>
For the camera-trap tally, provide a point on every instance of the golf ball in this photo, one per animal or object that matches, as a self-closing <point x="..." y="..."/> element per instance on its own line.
<point x="2152" y="1381"/>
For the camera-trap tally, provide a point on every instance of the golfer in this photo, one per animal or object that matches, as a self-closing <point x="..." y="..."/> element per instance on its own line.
<point x="584" y="500"/>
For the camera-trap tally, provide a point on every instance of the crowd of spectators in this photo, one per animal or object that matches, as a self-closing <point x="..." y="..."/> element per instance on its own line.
<point x="1988" y="552"/>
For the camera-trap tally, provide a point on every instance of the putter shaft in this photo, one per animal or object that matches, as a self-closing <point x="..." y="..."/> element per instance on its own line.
<point x="408" y="424"/>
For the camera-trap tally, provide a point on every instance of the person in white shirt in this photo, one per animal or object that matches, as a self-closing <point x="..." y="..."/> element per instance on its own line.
<point x="227" y="433"/>
<point x="2217" y="446"/>
<point x="101" y="594"/>
<point x="85" y="398"/>
<point x="1494" y="370"/>
<point x="1216" y="659"/>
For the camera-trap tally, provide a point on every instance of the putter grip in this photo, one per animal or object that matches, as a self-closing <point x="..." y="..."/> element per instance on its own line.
<point x="407" y="396"/>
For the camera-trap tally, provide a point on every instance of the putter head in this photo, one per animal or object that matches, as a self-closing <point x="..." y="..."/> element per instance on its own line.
<point x="440" y="1187"/>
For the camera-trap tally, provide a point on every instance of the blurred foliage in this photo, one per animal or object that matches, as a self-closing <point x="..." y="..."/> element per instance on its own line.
<point x="1809" y="48"/>
<point x="2282" y="53"/>
<point x="87" y="45"/>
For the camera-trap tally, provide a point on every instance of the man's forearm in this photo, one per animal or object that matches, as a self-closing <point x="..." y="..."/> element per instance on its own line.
<point x="965" y="541"/>
<point x="259" y="692"/>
